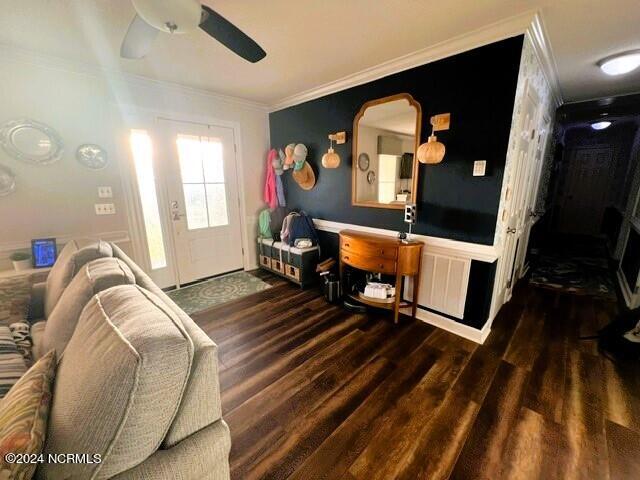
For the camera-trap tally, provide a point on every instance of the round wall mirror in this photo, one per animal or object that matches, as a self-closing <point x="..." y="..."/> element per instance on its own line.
<point x="30" y="141"/>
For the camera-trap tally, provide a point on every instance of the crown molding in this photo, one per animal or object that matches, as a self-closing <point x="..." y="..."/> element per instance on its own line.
<point x="500" y="30"/>
<point x="539" y="39"/>
<point x="18" y="55"/>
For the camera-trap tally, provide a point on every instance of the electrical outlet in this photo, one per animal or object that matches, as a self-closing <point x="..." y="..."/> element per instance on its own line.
<point x="105" y="208"/>
<point x="479" y="168"/>
<point x="105" y="192"/>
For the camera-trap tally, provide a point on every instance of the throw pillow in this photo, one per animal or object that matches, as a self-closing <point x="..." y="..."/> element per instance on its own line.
<point x="21" y="332"/>
<point x="24" y="413"/>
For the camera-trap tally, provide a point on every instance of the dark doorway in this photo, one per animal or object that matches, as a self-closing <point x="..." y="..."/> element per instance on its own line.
<point x="577" y="246"/>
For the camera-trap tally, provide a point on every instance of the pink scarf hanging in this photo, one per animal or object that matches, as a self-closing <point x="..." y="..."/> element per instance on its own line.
<point x="270" y="196"/>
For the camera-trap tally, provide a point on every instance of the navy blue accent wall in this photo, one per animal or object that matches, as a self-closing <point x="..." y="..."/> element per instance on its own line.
<point x="477" y="87"/>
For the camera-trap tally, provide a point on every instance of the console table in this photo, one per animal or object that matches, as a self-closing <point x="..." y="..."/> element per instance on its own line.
<point x="383" y="254"/>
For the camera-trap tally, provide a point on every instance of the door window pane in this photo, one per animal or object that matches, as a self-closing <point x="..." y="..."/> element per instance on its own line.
<point x="190" y="156"/>
<point x="217" y="201"/>
<point x="212" y="161"/>
<point x="142" y="151"/>
<point x="202" y="170"/>
<point x="195" y="205"/>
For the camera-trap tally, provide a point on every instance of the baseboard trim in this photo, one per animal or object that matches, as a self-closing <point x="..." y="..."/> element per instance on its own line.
<point x="465" y="331"/>
<point x="444" y="246"/>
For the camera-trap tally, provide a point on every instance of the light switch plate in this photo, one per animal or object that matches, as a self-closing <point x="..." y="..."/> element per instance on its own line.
<point x="105" y="208"/>
<point x="479" y="168"/>
<point x="105" y="192"/>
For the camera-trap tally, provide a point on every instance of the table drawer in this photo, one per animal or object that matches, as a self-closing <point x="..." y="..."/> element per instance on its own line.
<point x="368" y="249"/>
<point x="371" y="264"/>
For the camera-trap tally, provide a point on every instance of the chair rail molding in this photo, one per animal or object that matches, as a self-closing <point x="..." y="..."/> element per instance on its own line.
<point x="435" y="245"/>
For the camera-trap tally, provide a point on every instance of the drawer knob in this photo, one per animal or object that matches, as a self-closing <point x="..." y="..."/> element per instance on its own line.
<point x="346" y="258"/>
<point x="381" y="266"/>
<point x="346" y="244"/>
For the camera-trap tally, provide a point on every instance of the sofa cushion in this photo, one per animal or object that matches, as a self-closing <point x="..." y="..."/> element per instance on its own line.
<point x="119" y="383"/>
<point x="23" y="417"/>
<point x="12" y="364"/>
<point x="201" y="404"/>
<point x="72" y="257"/>
<point x="93" y="277"/>
<point x="37" y="336"/>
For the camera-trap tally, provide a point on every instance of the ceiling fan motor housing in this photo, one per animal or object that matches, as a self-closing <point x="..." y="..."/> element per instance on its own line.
<point x="171" y="16"/>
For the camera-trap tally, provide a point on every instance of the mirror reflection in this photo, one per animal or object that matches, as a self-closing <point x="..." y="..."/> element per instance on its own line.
<point x="385" y="141"/>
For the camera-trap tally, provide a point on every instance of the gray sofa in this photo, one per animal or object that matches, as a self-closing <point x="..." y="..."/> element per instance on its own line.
<point x="137" y="379"/>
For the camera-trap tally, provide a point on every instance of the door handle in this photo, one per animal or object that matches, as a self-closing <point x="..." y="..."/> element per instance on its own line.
<point x="177" y="216"/>
<point x="511" y="231"/>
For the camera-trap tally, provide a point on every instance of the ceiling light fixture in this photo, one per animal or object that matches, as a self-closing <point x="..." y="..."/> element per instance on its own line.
<point x="621" y="63"/>
<point x="600" y="125"/>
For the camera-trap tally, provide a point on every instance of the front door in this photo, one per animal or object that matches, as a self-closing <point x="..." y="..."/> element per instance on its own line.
<point x="202" y="191"/>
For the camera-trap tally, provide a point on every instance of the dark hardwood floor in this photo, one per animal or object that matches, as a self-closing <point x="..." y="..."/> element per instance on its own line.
<point x="310" y="391"/>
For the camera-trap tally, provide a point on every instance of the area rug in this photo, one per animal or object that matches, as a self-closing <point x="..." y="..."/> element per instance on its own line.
<point x="574" y="265"/>
<point x="209" y="293"/>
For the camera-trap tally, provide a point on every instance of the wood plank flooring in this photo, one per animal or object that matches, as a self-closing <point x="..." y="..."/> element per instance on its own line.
<point x="313" y="392"/>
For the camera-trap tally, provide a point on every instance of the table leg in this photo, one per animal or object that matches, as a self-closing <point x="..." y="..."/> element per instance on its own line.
<point x="396" y="309"/>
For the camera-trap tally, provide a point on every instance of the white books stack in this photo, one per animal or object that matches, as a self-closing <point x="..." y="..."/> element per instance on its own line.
<point x="383" y="291"/>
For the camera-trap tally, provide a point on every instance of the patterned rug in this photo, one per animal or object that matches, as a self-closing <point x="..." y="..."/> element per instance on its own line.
<point x="209" y="293"/>
<point x="574" y="265"/>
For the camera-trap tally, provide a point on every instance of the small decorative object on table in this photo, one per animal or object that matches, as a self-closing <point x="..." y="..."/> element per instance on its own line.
<point x="44" y="252"/>
<point x="21" y="261"/>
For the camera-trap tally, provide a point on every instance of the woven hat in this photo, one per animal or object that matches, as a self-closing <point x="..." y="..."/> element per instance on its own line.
<point x="288" y="157"/>
<point x="304" y="175"/>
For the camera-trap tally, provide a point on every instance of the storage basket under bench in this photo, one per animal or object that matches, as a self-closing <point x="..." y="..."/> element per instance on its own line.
<point x="295" y="264"/>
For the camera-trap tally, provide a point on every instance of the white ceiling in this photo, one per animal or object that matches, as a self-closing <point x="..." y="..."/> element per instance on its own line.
<point x="310" y="42"/>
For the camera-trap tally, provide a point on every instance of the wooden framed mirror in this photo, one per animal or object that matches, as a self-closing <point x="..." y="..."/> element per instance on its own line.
<point x="386" y="136"/>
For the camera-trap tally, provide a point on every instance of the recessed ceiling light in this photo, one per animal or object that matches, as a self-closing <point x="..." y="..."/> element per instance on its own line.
<point x="600" y="125"/>
<point x="621" y="63"/>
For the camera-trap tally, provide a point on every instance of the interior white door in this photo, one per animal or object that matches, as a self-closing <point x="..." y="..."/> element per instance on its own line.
<point x="202" y="187"/>
<point x="518" y="192"/>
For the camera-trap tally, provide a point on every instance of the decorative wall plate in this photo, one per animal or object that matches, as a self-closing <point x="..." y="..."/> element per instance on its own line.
<point x="92" y="156"/>
<point x="7" y="181"/>
<point x="371" y="177"/>
<point x="363" y="162"/>
<point x="30" y="141"/>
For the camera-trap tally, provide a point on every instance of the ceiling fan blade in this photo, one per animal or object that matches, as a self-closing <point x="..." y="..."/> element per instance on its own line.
<point x="230" y="36"/>
<point x="138" y="40"/>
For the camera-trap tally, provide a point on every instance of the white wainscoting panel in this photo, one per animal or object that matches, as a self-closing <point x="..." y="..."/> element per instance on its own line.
<point x="443" y="283"/>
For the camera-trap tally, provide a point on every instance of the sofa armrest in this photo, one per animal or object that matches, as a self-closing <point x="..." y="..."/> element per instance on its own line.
<point x="36" y="308"/>
<point x="203" y="455"/>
